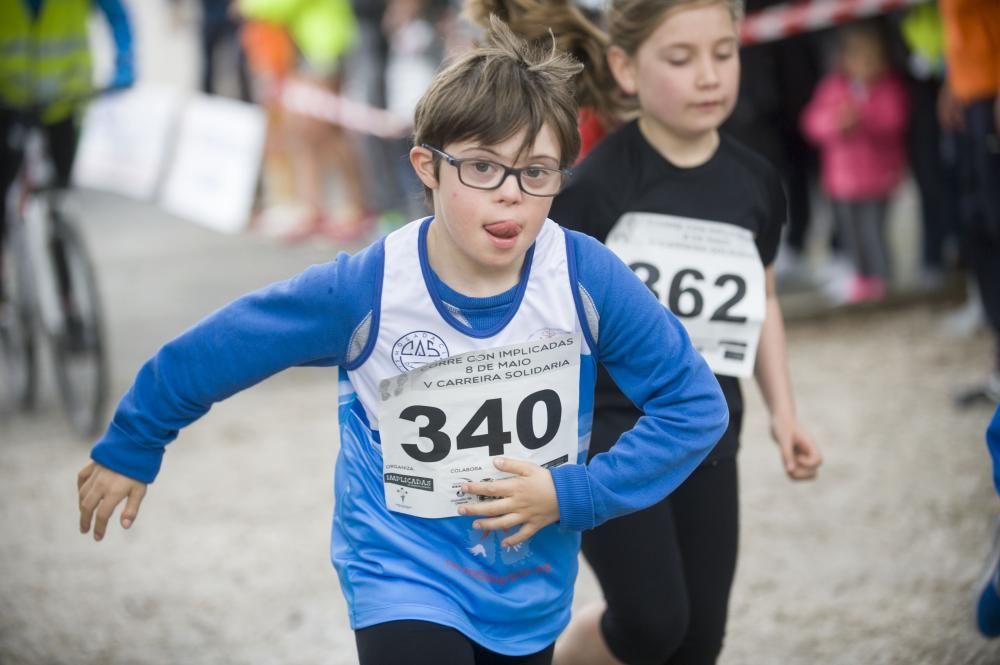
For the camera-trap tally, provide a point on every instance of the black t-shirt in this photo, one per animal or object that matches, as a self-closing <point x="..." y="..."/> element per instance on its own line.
<point x="624" y="173"/>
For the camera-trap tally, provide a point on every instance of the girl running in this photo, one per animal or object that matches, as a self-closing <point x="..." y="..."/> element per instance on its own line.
<point x="698" y="217"/>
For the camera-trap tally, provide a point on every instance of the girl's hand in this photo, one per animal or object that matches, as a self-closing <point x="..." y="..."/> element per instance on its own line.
<point x="102" y="489"/>
<point x="528" y="500"/>
<point x="799" y="453"/>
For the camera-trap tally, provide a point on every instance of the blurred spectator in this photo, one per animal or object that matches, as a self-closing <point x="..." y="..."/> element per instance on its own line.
<point x="857" y="117"/>
<point x="922" y="37"/>
<point x="220" y="39"/>
<point x="47" y="61"/>
<point x="321" y="32"/>
<point x="970" y="102"/>
<point x="366" y="83"/>
<point x="777" y="79"/>
<point x="414" y="52"/>
<point x="219" y="32"/>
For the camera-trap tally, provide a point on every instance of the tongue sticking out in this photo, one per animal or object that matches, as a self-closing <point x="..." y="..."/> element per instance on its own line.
<point x="503" y="229"/>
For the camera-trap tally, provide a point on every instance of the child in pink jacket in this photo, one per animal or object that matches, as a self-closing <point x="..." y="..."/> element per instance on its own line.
<point x="857" y="118"/>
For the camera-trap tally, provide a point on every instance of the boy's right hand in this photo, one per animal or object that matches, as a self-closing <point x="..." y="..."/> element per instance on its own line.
<point x="101" y="490"/>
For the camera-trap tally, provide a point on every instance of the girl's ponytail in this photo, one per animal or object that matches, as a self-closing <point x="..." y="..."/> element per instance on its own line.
<point x="576" y="34"/>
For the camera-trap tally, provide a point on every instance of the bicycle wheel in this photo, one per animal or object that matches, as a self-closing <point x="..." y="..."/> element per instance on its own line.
<point x="17" y="340"/>
<point x="78" y="349"/>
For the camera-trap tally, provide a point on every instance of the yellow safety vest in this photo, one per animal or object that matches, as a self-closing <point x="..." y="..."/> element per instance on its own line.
<point x="45" y="59"/>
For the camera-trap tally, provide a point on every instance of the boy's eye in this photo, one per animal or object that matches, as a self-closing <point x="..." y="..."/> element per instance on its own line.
<point x="533" y="172"/>
<point x="724" y="54"/>
<point x="484" y="168"/>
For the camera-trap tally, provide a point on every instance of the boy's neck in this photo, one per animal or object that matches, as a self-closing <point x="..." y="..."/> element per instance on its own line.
<point x="465" y="276"/>
<point x="685" y="151"/>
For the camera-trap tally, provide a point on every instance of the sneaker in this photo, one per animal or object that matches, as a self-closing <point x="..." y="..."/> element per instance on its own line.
<point x="311" y="225"/>
<point x="835" y="279"/>
<point x="351" y="229"/>
<point x="865" y="289"/>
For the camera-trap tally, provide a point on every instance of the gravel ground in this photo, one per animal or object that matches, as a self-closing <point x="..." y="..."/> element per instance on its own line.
<point x="228" y="563"/>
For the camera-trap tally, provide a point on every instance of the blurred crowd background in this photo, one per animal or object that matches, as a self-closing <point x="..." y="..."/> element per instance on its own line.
<point x="341" y="175"/>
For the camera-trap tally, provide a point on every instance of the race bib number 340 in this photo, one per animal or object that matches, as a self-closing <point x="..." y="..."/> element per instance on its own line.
<point x="709" y="274"/>
<point x="441" y="424"/>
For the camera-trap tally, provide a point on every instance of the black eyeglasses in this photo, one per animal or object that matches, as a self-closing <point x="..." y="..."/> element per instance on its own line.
<point x="485" y="174"/>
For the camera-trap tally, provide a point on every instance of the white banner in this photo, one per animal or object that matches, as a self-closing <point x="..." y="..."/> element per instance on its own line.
<point x="213" y="174"/>
<point x="124" y="141"/>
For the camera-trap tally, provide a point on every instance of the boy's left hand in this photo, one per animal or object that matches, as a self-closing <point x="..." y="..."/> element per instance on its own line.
<point x="528" y="500"/>
<point x="799" y="453"/>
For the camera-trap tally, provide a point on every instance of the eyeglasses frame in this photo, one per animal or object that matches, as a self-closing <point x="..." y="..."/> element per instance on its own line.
<point x="507" y="171"/>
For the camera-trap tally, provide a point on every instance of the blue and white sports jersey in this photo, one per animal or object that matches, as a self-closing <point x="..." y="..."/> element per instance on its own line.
<point x="394" y="566"/>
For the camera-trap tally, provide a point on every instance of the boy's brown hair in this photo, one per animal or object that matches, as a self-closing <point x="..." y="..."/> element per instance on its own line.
<point x="503" y="85"/>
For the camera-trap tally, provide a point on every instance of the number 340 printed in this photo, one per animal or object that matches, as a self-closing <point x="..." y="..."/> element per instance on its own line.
<point x="489" y="413"/>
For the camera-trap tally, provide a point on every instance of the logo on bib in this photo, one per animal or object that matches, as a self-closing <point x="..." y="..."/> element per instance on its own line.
<point x="417" y="349"/>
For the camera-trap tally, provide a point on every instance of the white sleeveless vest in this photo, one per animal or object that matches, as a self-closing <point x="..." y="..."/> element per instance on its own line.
<point x="415" y="328"/>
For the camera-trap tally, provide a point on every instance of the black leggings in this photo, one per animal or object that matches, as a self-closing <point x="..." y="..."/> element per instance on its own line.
<point x="666" y="571"/>
<point x="425" y="643"/>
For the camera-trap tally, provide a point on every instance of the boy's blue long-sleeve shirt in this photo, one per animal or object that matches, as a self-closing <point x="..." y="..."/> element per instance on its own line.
<point x="309" y="320"/>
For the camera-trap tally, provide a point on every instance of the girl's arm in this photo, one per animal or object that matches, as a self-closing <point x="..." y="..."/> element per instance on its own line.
<point x="799" y="453"/>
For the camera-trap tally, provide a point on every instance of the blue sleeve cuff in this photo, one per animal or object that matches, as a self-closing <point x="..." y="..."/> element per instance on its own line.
<point x="119" y="453"/>
<point x="576" y="502"/>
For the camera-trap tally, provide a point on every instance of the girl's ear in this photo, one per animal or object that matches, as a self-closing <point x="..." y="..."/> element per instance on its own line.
<point x="422" y="161"/>
<point x="623" y="69"/>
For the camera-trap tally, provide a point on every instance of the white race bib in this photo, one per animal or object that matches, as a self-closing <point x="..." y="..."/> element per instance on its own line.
<point x="709" y="274"/>
<point x="442" y="424"/>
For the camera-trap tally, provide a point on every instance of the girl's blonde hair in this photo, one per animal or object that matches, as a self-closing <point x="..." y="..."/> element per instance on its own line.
<point x="629" y="24"/>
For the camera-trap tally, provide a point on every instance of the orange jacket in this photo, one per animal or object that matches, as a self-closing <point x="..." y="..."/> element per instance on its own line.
<point x="972" y="46"/>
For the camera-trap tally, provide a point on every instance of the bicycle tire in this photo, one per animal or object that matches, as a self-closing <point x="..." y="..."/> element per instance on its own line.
<point x="18" y="354"/>
<point x="78" y="348"/>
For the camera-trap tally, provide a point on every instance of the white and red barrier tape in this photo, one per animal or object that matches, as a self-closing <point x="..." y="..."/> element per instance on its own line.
<point x="767" y="25"/>
<point x="792" y="18"/>
<point x="315" y="102"/>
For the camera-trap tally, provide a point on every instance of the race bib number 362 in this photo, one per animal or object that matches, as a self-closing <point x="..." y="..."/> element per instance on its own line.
<point x="708" y="274"/>
<point x="441" y="424"/>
